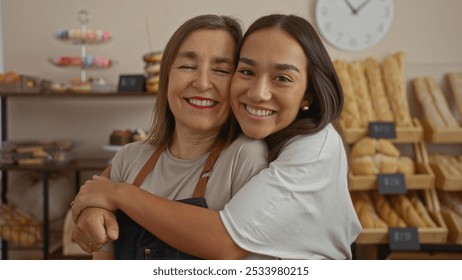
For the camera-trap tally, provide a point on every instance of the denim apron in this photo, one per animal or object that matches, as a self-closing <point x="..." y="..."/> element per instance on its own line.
<point x="136" y="243"/>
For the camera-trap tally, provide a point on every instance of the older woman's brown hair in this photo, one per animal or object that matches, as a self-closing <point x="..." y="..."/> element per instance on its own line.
<point x="164" y="122"/>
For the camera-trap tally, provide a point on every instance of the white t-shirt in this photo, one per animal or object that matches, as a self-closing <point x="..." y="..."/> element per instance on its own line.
<point x="175" y="178"/>
<point x="299" y="207"/>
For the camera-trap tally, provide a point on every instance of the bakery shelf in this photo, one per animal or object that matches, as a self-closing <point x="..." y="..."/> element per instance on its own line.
<point x="444" y="181"/>
<point x="436" y="235"/>
<point x="424" y="179"/>
<point x="404" y="134"/>
<point x="440" y="134"/>
<point x="454" y="227"/>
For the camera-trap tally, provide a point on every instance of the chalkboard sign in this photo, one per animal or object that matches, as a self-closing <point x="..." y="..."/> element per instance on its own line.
<point x="391" y="183"/>
<point x="382" y="130"/>
<point x="131" y="83"/>
<point x="403" y="239"/>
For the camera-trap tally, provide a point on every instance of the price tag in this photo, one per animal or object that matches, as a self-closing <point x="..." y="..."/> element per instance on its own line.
<point x="382" y="130"/>
<point x="403" y="239"/>
<point x="391" y="183"/>
<point x="131" y="83"/>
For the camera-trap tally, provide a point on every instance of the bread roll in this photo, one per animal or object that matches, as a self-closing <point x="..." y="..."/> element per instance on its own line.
<point x="364" y="147"/>
<point x="386" y="147"/>
<point x="350" y="114"/>
<point x="394" y="79"/>
<point x="406" y="165"/>
<point x="377" y="90"/>
<point x="361" y="90"/>
<point x="364" y="166"/>
<point x="386" y="164"/>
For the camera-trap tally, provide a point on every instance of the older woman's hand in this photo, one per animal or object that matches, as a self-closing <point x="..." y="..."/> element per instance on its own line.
<point x="95" y="228"/>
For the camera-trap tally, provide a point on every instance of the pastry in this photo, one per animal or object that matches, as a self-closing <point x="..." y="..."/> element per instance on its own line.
<point x="386" y="147"/>
<point x="152" y="57"/>
<point x="120" y="137"/>
<point x="364" y="166"/>
<point x="364" y="147"/>
<point x="406" y="165"/>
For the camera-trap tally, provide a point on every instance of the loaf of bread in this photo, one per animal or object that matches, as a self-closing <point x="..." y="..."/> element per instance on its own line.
<point x="440" y="103"/>
<point x="350" y="115"/>
<point x="451" y="200"/>
<point x="455" y="84"/>
<point x="406" y="210"/>
<point x="386" y="147"/>
<point x="394" y="79"/>
<point x="451" y="165"/>
<point x="406" y="165"/>
<point x="361" y="90"/>
<point x="364" y="147"/>
<point x="421" y="209"/>
<point x="366" y="212"/>
<point x="386" y="212"/>
<point x="425" y="99"/>
<point x="18" y="228"/>
<point x="377" y="90"/>
<point x="364" y="165"/>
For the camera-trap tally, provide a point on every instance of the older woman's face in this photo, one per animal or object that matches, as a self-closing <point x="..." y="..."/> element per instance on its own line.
<point x="198" y="90"/>
<point x="269" y="84"/>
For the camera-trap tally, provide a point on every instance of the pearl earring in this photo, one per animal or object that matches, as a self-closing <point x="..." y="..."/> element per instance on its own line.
<point x="305" y="108"/>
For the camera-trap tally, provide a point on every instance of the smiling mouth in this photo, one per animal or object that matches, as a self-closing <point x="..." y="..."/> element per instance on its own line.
<point x="257" y="112"/>
<point x="201" y="103"/>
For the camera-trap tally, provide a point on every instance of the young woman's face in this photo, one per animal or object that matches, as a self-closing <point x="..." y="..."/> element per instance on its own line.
<point x="269" y="84"/>
<point x="198" y="89"/>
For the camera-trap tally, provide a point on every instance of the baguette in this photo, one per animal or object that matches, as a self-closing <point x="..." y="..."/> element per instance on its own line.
<point x="350" y="114"/>
<point x="428" y="108"/>
<point x="455" y="83"/>
<point x="360" y="88"/>
<point x="440" y="103"/>
<point x="366" y="212"/>
<point x="377" y="90"/>
<point x="406" y="210"/>
<point x="394" y="78"/>
<point x="386" y="212"/>
<point x="422" y="210"/>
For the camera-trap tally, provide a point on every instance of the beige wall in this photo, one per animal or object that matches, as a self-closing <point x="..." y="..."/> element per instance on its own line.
<point x="428" y="31"/>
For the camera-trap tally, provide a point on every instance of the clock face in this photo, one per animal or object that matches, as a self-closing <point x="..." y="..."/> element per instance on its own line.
<point x="354" y="25"/>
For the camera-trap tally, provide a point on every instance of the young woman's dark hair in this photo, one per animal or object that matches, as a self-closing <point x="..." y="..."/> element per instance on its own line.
<point x="164" y="123"/>
<point x="324" y="92"/>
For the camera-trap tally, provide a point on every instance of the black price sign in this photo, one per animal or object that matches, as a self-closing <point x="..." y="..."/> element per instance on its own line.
<point x="131" y="83"/>
<point x="382" y="130"/>
<point x="403" y="239"/>
<point x="391" y="183"/>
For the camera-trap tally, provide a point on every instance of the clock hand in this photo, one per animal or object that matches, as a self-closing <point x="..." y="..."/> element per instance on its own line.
<point x="353" y="10"/>
<point x="362" y="6"/>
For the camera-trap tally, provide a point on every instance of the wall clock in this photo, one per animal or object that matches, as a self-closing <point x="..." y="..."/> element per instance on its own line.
<point x="354" y="25"/>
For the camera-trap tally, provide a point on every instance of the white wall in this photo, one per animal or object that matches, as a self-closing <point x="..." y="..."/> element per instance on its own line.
<point x="428" y="31"/>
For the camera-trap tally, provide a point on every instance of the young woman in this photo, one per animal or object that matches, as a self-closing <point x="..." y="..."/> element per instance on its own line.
<point x="285" y="90"/>
<point x="193" y="153"/>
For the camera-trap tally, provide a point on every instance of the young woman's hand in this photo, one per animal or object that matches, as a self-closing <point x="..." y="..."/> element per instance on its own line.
<point x="99" y="192"/>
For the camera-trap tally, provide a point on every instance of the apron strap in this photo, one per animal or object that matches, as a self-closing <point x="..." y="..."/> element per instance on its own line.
<point x="148" y="166"/>
<point x="202" y="183"/>
<point x="199" y="191"/>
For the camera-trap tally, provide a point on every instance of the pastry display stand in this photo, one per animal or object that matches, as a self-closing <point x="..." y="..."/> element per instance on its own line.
<point x="83" y="37"/>
<point x="76" y="166"/>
